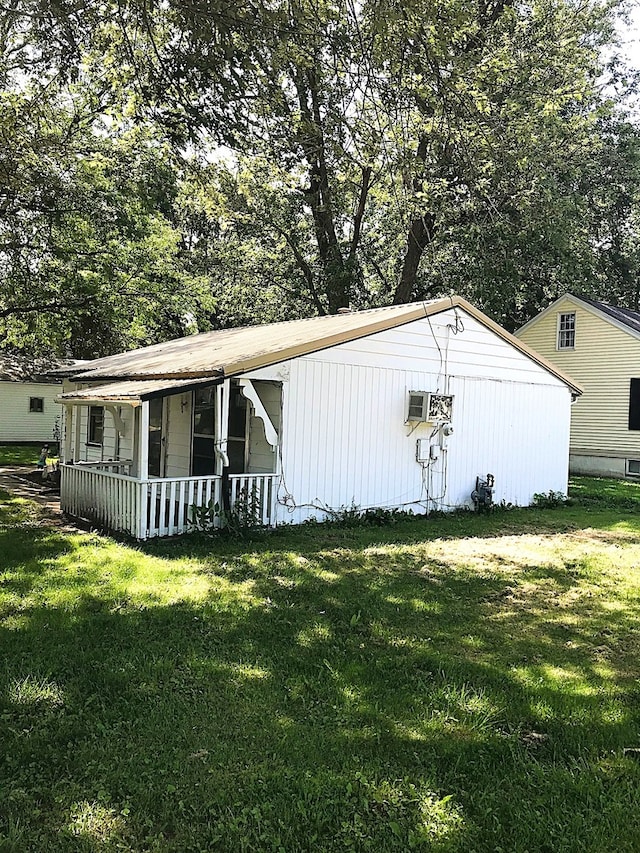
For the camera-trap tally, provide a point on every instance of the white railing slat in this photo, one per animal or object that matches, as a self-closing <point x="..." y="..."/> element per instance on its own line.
<point x="181" y="522"/>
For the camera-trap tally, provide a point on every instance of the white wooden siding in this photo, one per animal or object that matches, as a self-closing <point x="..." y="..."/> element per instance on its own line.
<point x="113" y="446"/>
<point x="127" y="413"/>
<point x="432" y="345"/>
<point x="17" y="423"/>
<point x="519" y="432"/>
<point x="345" y="440"/>
<point x="262" y="457"/>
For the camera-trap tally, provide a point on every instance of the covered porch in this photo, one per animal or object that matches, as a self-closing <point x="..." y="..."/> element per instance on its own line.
<point x="144" y="457"/>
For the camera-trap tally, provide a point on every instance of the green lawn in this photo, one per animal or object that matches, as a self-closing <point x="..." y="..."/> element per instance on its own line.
<point x="461" y="684"/>
<point x="19" y="454"/>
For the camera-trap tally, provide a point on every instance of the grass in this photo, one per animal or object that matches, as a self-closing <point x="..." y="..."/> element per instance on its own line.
<point x="467" y="684"/>
<point x="21" y="454"/>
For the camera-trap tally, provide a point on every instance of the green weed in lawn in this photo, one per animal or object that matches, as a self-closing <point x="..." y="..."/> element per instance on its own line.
<point x="460" y="684"/>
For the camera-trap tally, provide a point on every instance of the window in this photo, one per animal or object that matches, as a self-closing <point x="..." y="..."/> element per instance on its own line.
<point x="156" y="412"/>
<point x="567" y="330"/>
<point x="634" y="404"/>
<point x="36" y="404"/>
<point x="203" y="459"/>
<point x="633" y="467"/>
<point x="96" y="425"/>
<point x="237" y="438"/>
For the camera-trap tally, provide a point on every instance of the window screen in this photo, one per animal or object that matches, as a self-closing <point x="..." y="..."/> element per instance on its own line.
<point x="634" y="404"/>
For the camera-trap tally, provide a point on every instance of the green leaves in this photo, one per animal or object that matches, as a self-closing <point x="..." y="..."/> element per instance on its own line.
<point x="371" y="153"/>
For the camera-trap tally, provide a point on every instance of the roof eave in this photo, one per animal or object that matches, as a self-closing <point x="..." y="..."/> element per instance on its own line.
<point x="520" y="345"/>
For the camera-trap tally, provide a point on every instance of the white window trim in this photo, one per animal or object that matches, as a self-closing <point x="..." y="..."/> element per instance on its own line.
<point x="575" y="323"/>
<point x="631" y="473"/>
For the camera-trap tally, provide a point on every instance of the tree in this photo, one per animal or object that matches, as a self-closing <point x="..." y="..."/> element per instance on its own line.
<point x="90" y="259"/>
<point x="378" y="130"/>
<point x="374" y="152"/>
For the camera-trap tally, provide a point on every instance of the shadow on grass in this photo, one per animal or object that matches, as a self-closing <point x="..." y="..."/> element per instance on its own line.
<point x="314" y="698"/>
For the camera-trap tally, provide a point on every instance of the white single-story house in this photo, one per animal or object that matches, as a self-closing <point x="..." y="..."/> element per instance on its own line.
<point x="400" y="407"/>
<point x="28" y="400"/>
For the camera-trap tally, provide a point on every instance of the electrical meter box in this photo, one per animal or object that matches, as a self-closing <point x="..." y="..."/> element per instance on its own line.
<point x="422" y="450"/>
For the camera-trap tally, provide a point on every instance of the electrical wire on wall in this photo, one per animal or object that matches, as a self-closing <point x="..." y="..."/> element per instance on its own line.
<point x="427" y="498"/>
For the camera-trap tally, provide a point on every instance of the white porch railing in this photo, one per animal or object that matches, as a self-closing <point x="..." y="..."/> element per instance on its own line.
<point x="112" y="500"/>
<point x="256" y="493"/>
<point x="169" y="502"/>
<point x="114" y="466"/>
<point x="158" y="507"/>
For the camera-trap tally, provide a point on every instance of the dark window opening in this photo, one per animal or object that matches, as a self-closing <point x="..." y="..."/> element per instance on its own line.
<point x="155" y="436"/>
<point x="96" y="424"/>
<point x="237" y="437"/>
<point x="634" y="404"/>
<point x="203" y="458"/>
<point x="36" y="404"/>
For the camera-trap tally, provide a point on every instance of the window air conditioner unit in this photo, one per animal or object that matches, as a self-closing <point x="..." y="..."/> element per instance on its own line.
<point x="426" y="407"/>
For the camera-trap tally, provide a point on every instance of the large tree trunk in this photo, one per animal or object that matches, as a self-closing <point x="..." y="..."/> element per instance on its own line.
<point x="420" y="235"/>
<point x="421" y="232"/>
<point x="337" y="278"/>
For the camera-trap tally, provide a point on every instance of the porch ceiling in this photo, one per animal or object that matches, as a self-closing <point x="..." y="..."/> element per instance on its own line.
<point x="132" y="393"/>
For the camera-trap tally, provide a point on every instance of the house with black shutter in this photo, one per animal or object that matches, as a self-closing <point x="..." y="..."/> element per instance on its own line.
<point x="598" y="345"/>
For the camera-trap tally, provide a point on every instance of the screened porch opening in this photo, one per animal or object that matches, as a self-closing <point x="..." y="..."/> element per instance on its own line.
<point x="159" y="457"/>
<point x="203" y="456"/>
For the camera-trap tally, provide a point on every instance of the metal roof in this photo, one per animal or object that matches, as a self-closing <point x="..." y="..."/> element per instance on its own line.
<point x="230" y="352"/>
<point x="19" y="368"/>
<point x="623" y="315"/>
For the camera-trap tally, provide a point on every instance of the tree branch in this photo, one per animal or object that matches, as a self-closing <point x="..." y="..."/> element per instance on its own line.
<point x="357" y="220"/>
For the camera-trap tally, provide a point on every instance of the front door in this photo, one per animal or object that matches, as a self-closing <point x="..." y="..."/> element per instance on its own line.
<point x="156" y="436"/>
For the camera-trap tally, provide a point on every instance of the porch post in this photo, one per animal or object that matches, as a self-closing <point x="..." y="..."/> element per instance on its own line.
<point x="223" y="395"/>
<point x="143" y="442"/>
<point x="66" y="448"/>
<point x="77" y="420"/>
<point x="141" y="455"/>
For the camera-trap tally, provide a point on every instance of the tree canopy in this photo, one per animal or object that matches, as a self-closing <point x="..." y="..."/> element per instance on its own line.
<point x="170" y="166"/>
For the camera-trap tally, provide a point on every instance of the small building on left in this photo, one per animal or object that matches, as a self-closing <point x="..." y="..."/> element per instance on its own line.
<point x="28" y="408"/>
